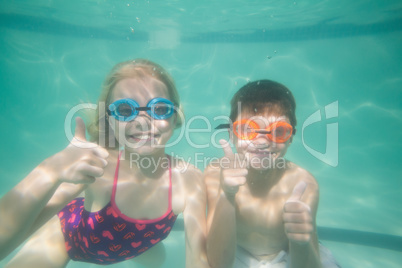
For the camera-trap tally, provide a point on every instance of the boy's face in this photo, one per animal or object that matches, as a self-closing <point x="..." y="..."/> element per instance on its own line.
<point x="262" y="152"/>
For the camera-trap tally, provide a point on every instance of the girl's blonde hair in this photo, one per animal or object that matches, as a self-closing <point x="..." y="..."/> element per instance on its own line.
<point x="99" y="128"/>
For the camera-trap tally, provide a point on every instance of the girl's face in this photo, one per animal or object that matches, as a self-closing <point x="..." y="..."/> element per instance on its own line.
<point x="144" y="135"/>
<point x="262" y="152"/>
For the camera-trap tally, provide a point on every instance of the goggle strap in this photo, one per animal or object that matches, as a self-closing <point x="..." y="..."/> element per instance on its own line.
<point x="262" y="131"/>
<point x="222" y="126"/>
<point x="142" y="108"/>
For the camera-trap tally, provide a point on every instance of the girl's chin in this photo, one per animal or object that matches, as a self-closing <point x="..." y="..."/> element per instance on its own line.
<point x="144" y="150"/>
<point x="136" y="142"/>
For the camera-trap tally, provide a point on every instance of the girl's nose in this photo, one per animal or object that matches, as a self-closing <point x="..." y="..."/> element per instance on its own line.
<point x="143" y="121"/>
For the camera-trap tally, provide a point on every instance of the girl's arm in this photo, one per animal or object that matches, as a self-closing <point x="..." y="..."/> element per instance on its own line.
<point x="48" y="188"/>
<point x="22" y="209"/>
<point x="195" y="220"/>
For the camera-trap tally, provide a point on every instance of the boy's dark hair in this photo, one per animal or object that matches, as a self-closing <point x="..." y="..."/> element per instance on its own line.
<point x="264" y="96"/>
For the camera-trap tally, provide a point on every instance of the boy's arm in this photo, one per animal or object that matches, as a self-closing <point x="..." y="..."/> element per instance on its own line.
<point x="194" y="220"/>
<point x="223" y="180"/>
<point x="300" y="226"/>
<point x="26" y="207"/>
<point x="221" y="223"/>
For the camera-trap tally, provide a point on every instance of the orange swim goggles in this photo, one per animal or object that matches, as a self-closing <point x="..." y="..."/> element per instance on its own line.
<point x="247" y="129"/>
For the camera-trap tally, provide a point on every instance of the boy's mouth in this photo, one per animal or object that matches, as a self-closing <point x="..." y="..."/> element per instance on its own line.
<point x="262" y="153"/>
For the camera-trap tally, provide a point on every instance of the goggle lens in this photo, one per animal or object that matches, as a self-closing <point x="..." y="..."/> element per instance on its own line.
<point x="128" y="109"/>
<point x="279" y="132"/>
<point x="247" y="129"/>
<point x="161" y="109"/>
<point x="124" y="110"/>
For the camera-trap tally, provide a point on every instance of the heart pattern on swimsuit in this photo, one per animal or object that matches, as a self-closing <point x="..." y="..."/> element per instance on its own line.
<point x="140" y="227"/>
<point x="136" y="244"/>
<point x="119" y="227"/>
<point x="103" y="237"/>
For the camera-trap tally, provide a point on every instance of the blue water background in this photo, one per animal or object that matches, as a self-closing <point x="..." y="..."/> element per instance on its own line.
<point x="55" y="55"/>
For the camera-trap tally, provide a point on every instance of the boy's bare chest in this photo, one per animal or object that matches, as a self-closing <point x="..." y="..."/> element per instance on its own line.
<point x="260" y="228"/>
<point x="263" y="213"/>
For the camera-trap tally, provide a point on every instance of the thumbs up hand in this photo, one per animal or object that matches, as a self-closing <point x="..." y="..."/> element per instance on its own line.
<point x="233" y="175"/>
<point x="81" y="162"/>
<point x="297" y="216"/>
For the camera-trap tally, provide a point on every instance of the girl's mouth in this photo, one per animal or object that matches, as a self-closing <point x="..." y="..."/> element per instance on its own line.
<point x="143" y="137"/>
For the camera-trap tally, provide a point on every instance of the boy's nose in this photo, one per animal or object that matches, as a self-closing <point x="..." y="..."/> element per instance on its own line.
<point x="262" y="140"/>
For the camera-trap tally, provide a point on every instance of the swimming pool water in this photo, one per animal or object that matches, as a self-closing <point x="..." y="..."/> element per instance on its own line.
<point x="55" y="54"/>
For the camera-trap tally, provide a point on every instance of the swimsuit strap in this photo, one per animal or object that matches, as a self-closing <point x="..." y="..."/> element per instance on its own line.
<point x="125" y="217"/>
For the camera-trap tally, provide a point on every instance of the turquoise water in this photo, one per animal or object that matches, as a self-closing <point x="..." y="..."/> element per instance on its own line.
<point x="338" y="54"/>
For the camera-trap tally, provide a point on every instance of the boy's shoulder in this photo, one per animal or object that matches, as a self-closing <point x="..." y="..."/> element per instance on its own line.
<point x="294" y="175"/>
<point x="296" y="172"/>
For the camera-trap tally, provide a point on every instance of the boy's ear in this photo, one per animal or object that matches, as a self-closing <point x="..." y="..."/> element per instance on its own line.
<point x="231" y="136"/>
<point x="290" y="140"/>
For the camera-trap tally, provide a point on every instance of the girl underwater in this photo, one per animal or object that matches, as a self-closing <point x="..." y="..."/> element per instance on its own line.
<point x="128" y="208"/>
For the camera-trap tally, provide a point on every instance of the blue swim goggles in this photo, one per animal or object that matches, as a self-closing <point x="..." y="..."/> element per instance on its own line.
<point x="128" y="109"/>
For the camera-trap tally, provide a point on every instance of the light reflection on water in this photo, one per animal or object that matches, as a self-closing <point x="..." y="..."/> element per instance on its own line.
<point x="45" y="74"/>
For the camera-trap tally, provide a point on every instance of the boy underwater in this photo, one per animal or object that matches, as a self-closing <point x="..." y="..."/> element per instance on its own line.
<point x="261" y="207"/>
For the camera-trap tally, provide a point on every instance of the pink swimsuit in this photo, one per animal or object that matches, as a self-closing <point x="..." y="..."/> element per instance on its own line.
<point x="108" y="236"/>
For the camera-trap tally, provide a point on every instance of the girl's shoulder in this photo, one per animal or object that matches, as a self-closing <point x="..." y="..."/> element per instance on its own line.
<point x="187" y="174"/>
<point x="184" y="167"/>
